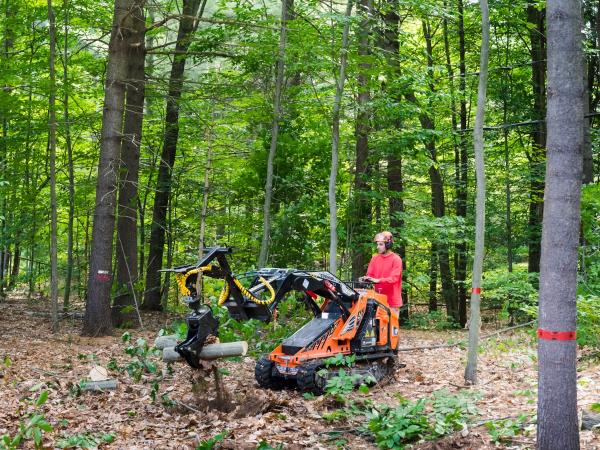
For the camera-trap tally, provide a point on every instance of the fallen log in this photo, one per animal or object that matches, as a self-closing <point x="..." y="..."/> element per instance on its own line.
<point x="210" y="351"/>
<point x="99" y="386"/>
<point x="162" y="342"/>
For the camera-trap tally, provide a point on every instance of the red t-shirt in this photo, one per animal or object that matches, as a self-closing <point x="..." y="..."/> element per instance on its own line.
<point x="388" y="269"/>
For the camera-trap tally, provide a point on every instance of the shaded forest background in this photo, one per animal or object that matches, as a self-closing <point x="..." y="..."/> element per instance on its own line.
<point x="210" y="89"/>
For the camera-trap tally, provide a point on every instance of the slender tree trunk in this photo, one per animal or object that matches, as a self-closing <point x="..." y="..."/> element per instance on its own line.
<point x="433" y="263"/>
<point x="557" y="384"/>
<point x="125" y="304"/>
<point x="475" y="321"/>
<point x="204" y="213"/>
<point x="362" y="209"/>
<point x="335" y="141"/>
<point x="70" y="168"/>
<point x="187" y="25"/>
<point x="97" y="319"/>
<point x="279" y="81"/>
<point x="462" y="180"/>
<point x="15" y="265"/>
<point x="536" y="156"/>
<point x="52" y="145"/>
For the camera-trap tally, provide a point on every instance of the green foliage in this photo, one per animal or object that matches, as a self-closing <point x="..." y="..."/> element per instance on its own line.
<point x="86" y="440"/>
<point x="395" y="427"/>
<point x="209" y="444"/>
<point x="434" y="320"/>
<point x="502" y="431"/>
<point x="513" y="292"/>
<point x="588" y="320"/>
<point x="141" y="361"/>
<point x="32" y="429"/>
<point x="264" y="445"/>
<point x="427" y="418"/>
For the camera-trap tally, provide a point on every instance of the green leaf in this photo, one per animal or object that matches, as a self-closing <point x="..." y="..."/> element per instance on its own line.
<point x="42" y="398"/>
<point x="595" y="407"/>
<point x="7" y="361"/>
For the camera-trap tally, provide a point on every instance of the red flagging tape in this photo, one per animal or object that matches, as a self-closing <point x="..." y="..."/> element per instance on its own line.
<point x="557" y="335"/>
<point x="476" y="290"/>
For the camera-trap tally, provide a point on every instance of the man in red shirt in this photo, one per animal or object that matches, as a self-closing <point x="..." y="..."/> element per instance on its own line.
<point x="385" y="270"/>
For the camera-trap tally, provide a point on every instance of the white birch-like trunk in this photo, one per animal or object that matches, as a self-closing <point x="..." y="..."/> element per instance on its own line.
<point x="475" y="321"/>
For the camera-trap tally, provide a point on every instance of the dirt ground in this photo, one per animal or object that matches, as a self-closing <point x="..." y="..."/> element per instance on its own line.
<point x="35" y="359"/>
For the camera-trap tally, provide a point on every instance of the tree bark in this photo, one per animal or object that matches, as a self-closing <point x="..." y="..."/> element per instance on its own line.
<point x="362" y="204"/>
<point x="97" y="320"/>
<point x="335" y="141"/>
<point x="395" y="181"/>
<point x="475" y="321"/>
<point x="557" y="383"/>
<point x="187" y="25"/>
<point x="462" y="172"/>
<point x="537" y="156"/>
<point x="279" y="81"/>
<point x="70" y="168"/>
<point x="52" y="147"/>
<point x="125" y="304"/>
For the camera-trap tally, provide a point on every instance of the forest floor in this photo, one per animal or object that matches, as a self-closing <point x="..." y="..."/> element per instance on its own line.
<point x="32" y="360"/>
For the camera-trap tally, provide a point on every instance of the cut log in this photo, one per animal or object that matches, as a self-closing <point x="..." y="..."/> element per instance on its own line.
<point x="104" y="385"/>
<point x="162" y="342"/>
<point x="210" y="351"/>
<point x="590" y="420"/>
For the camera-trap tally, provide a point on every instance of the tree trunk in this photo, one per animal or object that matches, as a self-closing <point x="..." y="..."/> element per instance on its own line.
<point x="97" y="320"/>
<point x="438" y="203"/>
<point x="361" y="216"/>
<point x="461" y="177"/>
<point x="187" y="25"/>
<point x="557" y="383"/>
<point x="279" y="81"/>
<point x="69" y="148"/>
<point x="395" y="183"/>
<point x="52" y="146"/>
<point x="335" y="141"/>
<point x="536" y="156"/>
<point x="433" y="263"/>
<point x="15" y="265"/>
<point x="475" y="321"/>
<point x="126" y="243"/>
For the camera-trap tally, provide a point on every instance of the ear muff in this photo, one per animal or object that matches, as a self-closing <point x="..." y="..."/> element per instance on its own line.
<point x="389" y="244"/>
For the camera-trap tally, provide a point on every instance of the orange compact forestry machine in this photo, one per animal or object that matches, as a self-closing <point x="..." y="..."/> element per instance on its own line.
<point x="347" y="321"/>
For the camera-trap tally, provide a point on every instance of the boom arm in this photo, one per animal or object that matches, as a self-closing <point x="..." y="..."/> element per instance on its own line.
<point x="247" y="303"/>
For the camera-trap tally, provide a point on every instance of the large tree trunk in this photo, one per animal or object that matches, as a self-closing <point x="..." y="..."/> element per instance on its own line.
<point x="97" y="320"/>
<point x="335" y="141"/>
<point x="395" y="182"/>
<point x="126" y="243"/>
<point x="52" y="148"/>
<point x="475" y="321"/>
<point x="361" y="215"/>
<point x="187" y="25"/>
<point x="557" y="383"/>
<point x="279" y="80"/>
<point x="536" y="156"/>
<point x="70" y="168"/>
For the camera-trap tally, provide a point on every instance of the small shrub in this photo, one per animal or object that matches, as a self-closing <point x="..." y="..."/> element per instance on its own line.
<point x="84" y="440"/>
<point x="33" y="428"/>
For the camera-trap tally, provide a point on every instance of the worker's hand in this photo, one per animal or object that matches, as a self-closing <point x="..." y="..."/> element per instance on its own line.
<point x="367" y="278"/>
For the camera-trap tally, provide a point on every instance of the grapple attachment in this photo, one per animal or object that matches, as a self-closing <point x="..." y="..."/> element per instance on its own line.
<point x="201" y="323"/>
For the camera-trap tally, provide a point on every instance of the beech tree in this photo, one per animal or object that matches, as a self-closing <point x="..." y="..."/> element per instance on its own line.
<point x="557" y="348"/>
